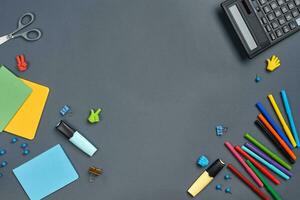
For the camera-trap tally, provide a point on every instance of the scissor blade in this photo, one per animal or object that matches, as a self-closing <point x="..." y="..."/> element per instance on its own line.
<point x="4" y="39"/>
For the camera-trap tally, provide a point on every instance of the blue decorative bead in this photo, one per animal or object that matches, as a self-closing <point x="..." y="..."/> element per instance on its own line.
<point x="228" y="190"/>
<point x="3" y="163"/>
<point x="202" y="161"/>
<point x="26" y="152"/>
<point x="24" y="145"/>
<point x="2" y="152"/>
<point x="227" y="177"/>
<point x="218" y="187"/>
<point x="14" y="140"/>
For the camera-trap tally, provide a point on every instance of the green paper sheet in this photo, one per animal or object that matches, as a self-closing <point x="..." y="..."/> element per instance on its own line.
<point x="13" y="93"/>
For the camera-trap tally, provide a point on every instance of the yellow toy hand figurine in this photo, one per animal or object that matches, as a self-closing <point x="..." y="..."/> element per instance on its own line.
<point x="273" y="63"/>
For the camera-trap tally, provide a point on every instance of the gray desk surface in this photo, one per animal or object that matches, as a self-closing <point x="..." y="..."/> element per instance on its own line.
<point x="165" y="72"/>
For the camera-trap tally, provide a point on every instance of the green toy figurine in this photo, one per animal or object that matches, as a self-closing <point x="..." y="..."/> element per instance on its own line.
<point x="94" y="116"/>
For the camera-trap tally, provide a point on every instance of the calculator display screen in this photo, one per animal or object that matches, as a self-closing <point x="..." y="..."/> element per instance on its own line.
<point x="243" y="27"/>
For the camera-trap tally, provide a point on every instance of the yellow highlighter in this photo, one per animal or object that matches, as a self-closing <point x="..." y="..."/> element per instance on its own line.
<point x="206" y="177"/>
<point x="281" y="119"/>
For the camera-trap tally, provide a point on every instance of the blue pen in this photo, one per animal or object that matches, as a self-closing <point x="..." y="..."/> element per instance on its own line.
<point x="264" y="162"/>
<point x="290" y="115"/>
<point x="270" y="120"/>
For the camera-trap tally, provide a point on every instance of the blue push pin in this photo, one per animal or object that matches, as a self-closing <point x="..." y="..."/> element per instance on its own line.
<point x="3" y="163"/>
<point x="228" y="190"/>
<point x="227" y="177"/>
<point x="257" y="78"/>
<point x="14" y="140"/>
<point x="2" y="152"/>
<point x="24" y="145"/>
<point x="219" y="187"/>
<point x="202" y="161"/>
<point x="26" y="152"/>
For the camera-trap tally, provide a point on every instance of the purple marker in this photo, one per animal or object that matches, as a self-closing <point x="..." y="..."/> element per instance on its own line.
<point x="268" y="159"/>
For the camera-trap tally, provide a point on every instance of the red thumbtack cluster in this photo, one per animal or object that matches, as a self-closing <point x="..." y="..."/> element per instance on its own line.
<point x="21" y="63"/>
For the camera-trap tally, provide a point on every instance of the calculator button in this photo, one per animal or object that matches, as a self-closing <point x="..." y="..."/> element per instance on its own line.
<point x="292" y="25"/>
<point x="264" y="20"/>
<point x="273" y="5"/>
<point x="271" y="16"/>
<point x="284" y="9"/>
<point x="291" y="5"/>
<point x="268" y="28"/>
<point x="281" y="20"/>
<point x="275" y="24"/>
<point x="285" y="29"/>
<point x="288" y="17"/>
<point x="272" y="36"/>
<point x="277" y="13"/>
<point x="267" y="9"/>
<point x="280" y="2"/>
<point x="295" y="13"/>
<point x="297" y="2"/>
<point x="298" y="21"/>
<point x="278" y="33"/>
<point x="262" y="2"/>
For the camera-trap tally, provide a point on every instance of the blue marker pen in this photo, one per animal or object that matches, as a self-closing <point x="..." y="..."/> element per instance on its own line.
<point x="288" y="111"/>
<point x="270" y="120"/>
<point x="76" y="138"/>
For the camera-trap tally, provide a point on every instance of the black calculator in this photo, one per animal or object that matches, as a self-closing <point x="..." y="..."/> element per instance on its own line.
<point x="262" y="23"/>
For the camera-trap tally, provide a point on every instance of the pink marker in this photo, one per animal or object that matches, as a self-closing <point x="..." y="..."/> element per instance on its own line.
<point x="243" y="163"/>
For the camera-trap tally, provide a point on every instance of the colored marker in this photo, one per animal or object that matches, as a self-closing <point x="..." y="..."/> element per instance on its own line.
<point x="76" y="138"/>
<point x="206" y="177"/>
<point x="267" y="151"/>
<point x="247" y="182"/>
<point x="261" y="126"/>
<point x="281" y="119"/>
<point x="269" y="188"/>
<point x="282" y="143"/>
<point x="259" y="166"/>
<point x="268" y="159"/>
<point x="288" y="111"/>
<point x="240" y="159"/>
<point x="273" y="124"/>
<point x="265" y="163"/>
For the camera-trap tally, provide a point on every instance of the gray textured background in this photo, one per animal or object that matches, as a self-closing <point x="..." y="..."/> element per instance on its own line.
<point x="165" y="72"/>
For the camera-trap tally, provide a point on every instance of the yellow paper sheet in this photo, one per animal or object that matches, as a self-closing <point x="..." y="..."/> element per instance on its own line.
<point x="26" y="120"/>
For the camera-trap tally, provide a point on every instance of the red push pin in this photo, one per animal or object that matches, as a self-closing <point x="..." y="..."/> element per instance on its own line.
<point x="21" y="63"/>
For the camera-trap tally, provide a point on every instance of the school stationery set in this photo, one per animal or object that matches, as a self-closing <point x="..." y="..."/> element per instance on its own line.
<point x="261" y="163"/>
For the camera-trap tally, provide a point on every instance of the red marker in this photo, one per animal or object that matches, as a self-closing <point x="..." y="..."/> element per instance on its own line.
<point x="257" y="165"/>
<point x="247" y="182"/>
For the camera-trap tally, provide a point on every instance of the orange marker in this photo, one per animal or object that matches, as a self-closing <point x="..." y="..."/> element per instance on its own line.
<point x="278" y="138"/>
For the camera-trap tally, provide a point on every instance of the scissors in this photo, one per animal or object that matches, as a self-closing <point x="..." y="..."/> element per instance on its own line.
<point x="31" y="35"/>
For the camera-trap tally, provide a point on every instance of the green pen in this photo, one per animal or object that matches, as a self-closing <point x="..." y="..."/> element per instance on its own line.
<point x="264" y="181"/>
<point x="267" y="151"/>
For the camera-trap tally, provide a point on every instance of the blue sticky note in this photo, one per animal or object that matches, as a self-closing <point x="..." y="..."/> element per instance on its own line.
<point x="46" y="173"/>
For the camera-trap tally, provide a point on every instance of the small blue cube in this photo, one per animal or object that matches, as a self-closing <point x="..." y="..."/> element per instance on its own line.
<point x="218" y="187"/>
<point x="14" y="140"/>
<point x="3" y="164"/>
<point x="202" y="161"/>
<point x="64" y="110"/>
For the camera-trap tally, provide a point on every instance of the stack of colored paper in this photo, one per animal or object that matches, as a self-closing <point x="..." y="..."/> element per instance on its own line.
<point x="21" y="104"/>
